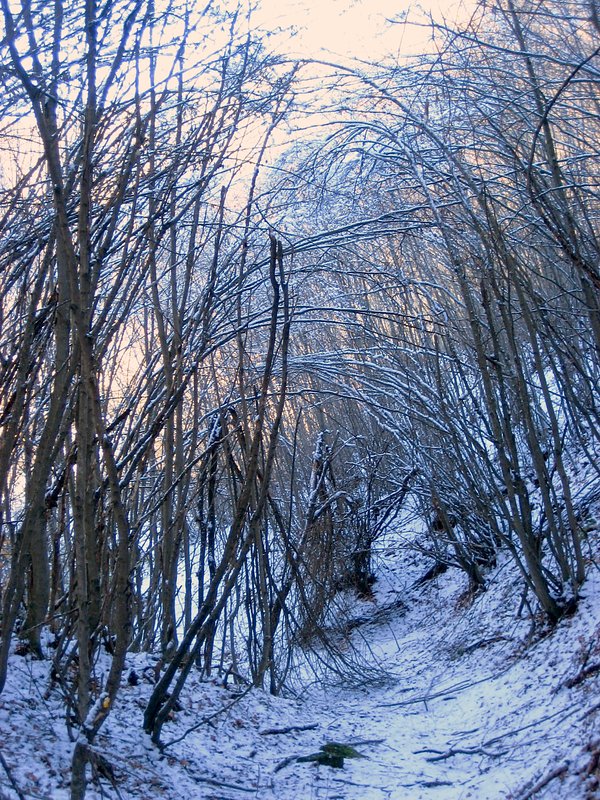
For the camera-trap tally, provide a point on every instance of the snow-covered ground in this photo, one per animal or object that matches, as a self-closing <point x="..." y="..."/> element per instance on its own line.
<point x="476" y="704"/>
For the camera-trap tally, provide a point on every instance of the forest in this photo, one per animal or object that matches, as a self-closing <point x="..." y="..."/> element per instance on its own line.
<point x="255" y="311"/>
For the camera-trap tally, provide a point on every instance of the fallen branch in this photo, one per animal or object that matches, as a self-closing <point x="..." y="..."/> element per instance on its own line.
<point x="435" y="784"/>
<point x="459" y="751"/>
<point x="289" y="729"/>
<point x="425" y="784"/>
<point x="222" y="784"/>
<point x="361" y="742"/>
<point x="219" y="784"/>
<point x="541" y="784"/>
<point x="484" y="643"/>
<point x="335" y="779"/>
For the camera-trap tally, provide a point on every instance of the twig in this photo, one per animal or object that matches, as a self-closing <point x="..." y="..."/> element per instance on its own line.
<point x="541" y="784"/>
<point x="13" y="783"/>
<point x="484" y="643"/>
<point x="434" y="784"/>
<point x="221" y="784"/>
<point x="289" y="729"/>
<point x="335" y="779"/>
<point x="362" y="742"/>
<point x="460" y="751"/>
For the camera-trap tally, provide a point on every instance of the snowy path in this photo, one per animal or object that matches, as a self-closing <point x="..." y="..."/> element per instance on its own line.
<point x="470" y="709"/>
<point x="467" y="715"/>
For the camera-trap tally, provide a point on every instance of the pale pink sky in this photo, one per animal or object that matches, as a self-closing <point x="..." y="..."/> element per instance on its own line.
<point x="352" y="27"/>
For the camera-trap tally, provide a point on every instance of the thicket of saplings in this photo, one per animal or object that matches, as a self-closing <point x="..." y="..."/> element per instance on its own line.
<point x="226" y="371"/>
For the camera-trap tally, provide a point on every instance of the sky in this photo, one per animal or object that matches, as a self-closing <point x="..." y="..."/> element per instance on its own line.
<point x="354" y="27"/>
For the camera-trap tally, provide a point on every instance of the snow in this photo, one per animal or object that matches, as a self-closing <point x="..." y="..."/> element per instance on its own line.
<point x="470" y="701"/>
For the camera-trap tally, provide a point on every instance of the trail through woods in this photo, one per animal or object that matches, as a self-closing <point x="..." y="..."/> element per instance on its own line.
<point x="471" y="703"/>
<point x="251" y="310"/>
